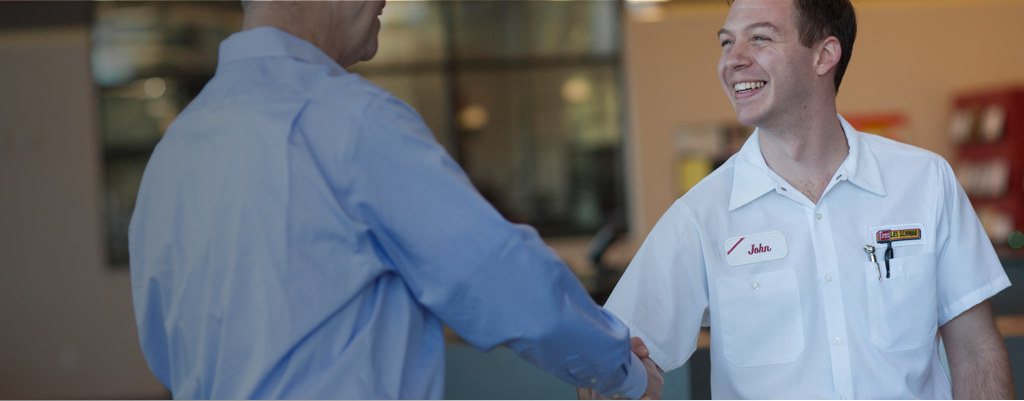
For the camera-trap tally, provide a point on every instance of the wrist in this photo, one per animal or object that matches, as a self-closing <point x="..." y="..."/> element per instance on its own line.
<point x="636" y="381"/>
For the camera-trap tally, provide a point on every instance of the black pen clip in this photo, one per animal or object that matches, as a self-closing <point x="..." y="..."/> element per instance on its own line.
<point x="888" y="255"/>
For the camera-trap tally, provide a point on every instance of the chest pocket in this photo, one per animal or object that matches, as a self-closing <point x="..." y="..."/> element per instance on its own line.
<point x="762" y="323"/>
<point x="902" y="309"/>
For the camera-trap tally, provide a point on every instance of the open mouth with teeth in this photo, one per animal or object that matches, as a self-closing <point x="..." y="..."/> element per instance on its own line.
<point x="744" y="87"/>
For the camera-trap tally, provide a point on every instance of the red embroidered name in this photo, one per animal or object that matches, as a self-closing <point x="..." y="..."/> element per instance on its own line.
<point x="754" y="248"/>
<point x="759" y="249"/>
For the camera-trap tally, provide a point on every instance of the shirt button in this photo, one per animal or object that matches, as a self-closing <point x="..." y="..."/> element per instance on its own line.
<point x="838" y="341"/>
<point x="616" y="396"/>
<point x="593" y="381"/>
<point x="818" y="216"/>
<point x="829" y="278"/>
<point x="756" y="286"/>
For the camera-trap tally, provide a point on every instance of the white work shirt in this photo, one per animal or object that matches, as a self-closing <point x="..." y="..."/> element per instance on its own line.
<point x="795" y="305"/>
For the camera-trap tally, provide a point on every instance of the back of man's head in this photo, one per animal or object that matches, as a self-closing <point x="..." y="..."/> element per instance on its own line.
<point x="819" y="19"/>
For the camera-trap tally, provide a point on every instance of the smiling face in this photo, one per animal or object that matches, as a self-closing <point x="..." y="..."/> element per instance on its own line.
<point x="764" y="69"/>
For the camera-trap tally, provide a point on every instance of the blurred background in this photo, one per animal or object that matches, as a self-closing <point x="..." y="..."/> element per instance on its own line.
<point x="585" y="119"/>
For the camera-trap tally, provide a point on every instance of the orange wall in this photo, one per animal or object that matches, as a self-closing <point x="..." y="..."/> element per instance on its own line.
<point x="910" y="57"/>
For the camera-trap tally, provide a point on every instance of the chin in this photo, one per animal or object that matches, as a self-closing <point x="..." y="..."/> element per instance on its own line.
<point x="371" y="50"/>
<point x="748" y="117"/>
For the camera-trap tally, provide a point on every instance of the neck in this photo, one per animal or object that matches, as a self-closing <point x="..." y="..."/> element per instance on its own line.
<point x="807" y="150"/>
<point x="308" y="20"/>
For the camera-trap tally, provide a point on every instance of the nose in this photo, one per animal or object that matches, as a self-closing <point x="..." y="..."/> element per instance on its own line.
<point x="738" y="56"/>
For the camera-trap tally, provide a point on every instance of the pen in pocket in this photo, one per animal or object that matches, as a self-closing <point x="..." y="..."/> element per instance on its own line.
<point x="871" y="252"/>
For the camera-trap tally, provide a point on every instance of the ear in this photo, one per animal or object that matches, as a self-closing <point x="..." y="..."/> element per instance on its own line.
<point x="828" y="53"/>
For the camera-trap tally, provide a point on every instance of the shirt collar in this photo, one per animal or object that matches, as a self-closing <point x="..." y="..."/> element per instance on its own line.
<point x="752" y="178"/>
<point x="268" y="41"/>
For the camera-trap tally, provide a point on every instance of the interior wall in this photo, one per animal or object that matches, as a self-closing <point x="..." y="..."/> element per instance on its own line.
<point x="910" y="57"/>
<point x="68" y="328"/>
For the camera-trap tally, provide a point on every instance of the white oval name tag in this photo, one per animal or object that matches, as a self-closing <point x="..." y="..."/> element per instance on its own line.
<point x="755" y="248"/>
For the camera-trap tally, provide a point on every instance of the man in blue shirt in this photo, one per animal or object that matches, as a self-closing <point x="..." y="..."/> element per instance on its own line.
<point x="299" y="233"/>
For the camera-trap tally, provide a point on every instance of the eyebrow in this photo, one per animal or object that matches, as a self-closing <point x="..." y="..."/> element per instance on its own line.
<point x="763" y="24"/>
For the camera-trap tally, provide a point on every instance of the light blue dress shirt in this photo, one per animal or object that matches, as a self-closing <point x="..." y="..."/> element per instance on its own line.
<point x="299" y="233"/>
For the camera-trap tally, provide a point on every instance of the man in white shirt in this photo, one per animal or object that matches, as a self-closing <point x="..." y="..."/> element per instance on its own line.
<point x="826" y="262"/>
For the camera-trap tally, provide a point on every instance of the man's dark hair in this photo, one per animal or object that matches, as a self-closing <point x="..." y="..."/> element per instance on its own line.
<point x="819" y="19"/>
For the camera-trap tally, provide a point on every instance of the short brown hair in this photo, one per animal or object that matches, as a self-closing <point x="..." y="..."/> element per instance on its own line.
<point x="819" y="19"/>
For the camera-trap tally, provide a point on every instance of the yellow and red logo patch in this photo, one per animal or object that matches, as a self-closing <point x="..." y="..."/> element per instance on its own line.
<point x="884" y="236"/>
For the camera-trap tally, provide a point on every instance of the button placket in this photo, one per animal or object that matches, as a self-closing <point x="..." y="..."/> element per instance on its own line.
<point x="827" y="265"/>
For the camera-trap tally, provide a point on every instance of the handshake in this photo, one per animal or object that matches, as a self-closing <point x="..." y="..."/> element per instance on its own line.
<point x="654" y="380"/>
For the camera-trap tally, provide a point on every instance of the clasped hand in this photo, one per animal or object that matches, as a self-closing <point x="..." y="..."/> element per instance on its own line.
<point x="654" y="380"/>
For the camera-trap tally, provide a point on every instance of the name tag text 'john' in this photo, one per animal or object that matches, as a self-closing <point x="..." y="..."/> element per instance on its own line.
<point x="755" y="248"/>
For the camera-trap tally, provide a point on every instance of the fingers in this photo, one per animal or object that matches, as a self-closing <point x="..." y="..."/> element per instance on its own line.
<point x="638" y="347"/>
<point x="654" y="381"/>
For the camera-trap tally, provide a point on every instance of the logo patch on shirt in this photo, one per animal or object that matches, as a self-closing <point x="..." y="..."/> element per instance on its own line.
<point x="755" y="248"/>
<point x="897" y="235"/>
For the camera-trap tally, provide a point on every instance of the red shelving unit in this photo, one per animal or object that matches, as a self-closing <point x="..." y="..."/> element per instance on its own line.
<point x="990" y="160"/>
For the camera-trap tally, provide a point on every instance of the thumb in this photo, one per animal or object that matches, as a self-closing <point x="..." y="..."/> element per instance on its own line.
<point x="638" y="347"/>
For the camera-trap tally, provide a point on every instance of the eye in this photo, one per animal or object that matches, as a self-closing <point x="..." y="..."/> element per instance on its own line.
<point x="726" y="42"/>
<point x="761" y="38"/>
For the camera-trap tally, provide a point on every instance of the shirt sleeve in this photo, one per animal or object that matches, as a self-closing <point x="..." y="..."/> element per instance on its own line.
<point x="663" y="294"/>
<point x="968" y="270"/>
<point x="493" y="282"/>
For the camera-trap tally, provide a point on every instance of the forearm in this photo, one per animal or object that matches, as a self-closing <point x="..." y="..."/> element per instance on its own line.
<point x="524" y="297"/>
<point x="985" y="376"/>
<point x="978" y="363"/>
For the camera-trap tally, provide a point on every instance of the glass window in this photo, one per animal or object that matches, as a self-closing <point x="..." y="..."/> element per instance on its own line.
<point x="548" y="151"/>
